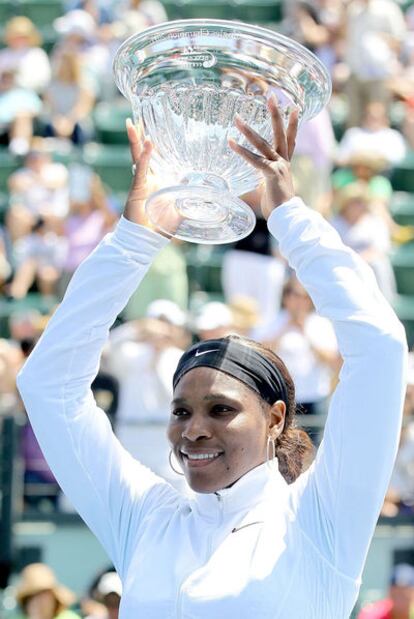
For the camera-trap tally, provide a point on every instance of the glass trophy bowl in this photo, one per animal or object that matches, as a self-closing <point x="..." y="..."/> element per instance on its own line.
<point x="186" y="80"/>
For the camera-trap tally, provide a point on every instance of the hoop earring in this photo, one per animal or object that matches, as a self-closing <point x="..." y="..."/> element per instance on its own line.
<point x="171" y="464"/>
<point x="271" y="451"/>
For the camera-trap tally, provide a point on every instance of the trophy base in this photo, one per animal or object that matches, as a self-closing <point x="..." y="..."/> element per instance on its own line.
<point x="201" y="210"/>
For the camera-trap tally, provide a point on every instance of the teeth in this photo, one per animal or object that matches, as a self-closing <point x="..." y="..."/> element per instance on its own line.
<point x="201" y="456"/>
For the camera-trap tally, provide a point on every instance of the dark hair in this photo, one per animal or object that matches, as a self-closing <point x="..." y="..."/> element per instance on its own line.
<point x="294" y="448"/>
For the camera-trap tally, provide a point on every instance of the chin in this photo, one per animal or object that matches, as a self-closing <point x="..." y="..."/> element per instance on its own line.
<point x="204" y="486"/>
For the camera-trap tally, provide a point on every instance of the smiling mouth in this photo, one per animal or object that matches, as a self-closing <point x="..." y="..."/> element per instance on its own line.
<point x="200" y="459"/>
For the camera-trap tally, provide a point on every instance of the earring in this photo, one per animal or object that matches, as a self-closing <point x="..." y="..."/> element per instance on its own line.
<point x="171" y="464"/>
<point x="271" y="451"/>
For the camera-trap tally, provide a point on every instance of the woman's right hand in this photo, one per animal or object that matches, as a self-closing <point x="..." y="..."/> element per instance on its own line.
<point x="143" y="185"/>
<point x="140" y="187"/>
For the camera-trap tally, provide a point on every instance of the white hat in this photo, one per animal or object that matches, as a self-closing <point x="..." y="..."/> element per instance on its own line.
<point x="163" y="309"/>
<point x="109" y="583"/>
<point x="212" y="316"/>
<point x="76" y="22"/>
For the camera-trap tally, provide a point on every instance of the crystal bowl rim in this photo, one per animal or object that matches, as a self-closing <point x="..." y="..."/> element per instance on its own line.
<point x="243" y="28"/>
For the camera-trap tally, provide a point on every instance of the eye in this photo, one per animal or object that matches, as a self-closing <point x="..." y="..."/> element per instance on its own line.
<point x="179" y="412"/>
<point x="222" y="409"/>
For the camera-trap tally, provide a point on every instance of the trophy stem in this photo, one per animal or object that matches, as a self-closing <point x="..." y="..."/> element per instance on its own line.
<point x="207" y="211"/>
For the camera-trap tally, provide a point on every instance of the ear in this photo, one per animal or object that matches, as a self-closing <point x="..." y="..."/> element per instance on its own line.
<point x="277" y="415"/>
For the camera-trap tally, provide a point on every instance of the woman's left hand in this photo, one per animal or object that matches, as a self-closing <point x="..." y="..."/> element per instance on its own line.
<point x="273" y="161"/>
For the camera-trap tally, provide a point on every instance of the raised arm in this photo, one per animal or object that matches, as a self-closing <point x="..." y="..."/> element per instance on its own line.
<point x="106" y="485"/>
<point x="339" y="498"/>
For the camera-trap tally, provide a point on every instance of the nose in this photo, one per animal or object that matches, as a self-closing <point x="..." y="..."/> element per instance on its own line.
<point x="196" y="428"/>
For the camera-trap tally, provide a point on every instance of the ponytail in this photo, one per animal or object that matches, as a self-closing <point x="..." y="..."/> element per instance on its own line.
<point x="294" y="448"/>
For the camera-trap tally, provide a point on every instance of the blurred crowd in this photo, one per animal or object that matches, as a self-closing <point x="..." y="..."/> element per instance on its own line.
<point x="57" y="213"/>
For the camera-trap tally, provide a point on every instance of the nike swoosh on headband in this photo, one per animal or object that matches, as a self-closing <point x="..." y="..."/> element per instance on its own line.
<point x="204" y="352"/>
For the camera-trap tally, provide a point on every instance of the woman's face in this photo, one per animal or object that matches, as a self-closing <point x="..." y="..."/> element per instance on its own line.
<point x="218" y="428"/>
<point x="42" y="605"/>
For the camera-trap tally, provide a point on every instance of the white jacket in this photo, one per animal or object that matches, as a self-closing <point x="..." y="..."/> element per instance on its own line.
<point x="262" y="548"/>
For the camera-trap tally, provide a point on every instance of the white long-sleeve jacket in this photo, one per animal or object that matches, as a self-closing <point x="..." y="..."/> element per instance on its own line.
<point x="262" y="548"/>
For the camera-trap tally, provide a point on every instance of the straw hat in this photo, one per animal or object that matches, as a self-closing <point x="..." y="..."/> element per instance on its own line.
<point x="21" y="26"/>
<point x="38" y="577"/>
<point x="358" y="191"/>
<point x="370" y="159"/>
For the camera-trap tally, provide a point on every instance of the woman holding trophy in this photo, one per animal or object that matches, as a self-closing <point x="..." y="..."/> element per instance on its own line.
<point x="259" y="536"/>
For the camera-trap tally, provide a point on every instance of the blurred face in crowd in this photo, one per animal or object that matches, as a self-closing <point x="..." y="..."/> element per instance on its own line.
<point x="111" y="602"/>
<point x="403" y="599"/>
<point x="36" y="161"/>
<point x="409" y="401"/>
<point x="41" y="605"/>
<point x="375" y="116"/>
<point x="296" y="300"/>
<point x="218" y="428"/>
<point x="353" y="210"/>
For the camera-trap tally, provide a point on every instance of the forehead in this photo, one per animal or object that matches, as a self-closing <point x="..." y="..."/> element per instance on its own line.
<point x="201" y="381"/>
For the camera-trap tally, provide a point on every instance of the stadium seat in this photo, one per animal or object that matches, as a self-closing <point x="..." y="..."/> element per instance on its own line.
<point x="216" y="9"/>
<point x="204" y="267"/>
<point x="404" y="308"/>
<point x="32" y="301"/>
<point x="41" y="12"/>
<point x="402" y="208"/>
<point x="4" y="205"/>
<point x="403" y="264"/>
<point x="109" y="120"/>
<point x="112" y="163"/>
<point x="173" y="8"/>
<point x="8" y="164"/>
<point x="6" y="12"/>
<point x="402" y="176"/>
<point x="258" y="11"/>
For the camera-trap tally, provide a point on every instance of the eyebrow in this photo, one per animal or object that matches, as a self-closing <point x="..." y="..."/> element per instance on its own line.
<point x="208" y="398"/>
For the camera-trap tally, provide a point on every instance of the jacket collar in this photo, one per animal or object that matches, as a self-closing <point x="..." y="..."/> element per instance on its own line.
<point x="254" y="487"/>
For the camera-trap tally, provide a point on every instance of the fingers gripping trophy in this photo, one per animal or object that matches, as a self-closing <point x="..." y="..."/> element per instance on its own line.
<point x="216" y="106"/>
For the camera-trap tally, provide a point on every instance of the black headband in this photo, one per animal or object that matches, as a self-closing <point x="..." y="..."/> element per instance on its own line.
<point x="238" y="360"/>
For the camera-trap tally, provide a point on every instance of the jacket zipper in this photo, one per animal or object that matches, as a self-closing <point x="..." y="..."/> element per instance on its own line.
<point x="179" y="606"/>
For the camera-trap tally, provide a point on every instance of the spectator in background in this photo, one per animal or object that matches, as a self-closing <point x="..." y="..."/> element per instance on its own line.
<point x="11" y="360"/>
<point x="213" y="320"/>
<point x="253" y="268"/>
<point x="366" y="233"/>
<point x="143" y="355"/>
<point x="23" y="55"/>
<point x="69" y="99"/>
<point x="374" y="33"/>
<point x="5" y="266"/>
<point x="317" y="24"/>
<point x="79" y="35"/>
<point x="400" y="495"/>
<point x="307" y="344"/>
<point x="18" y="107"/>
<point x="109" y="592"/>
<point x="367" y="167"/>
<point x="39" y="258"/>
<point x="167" y="279"/>
<point x="40" y="596"/>
<point x="89" y="219"/>
<point x="245" y="315"/>
<point x="400" y="601"/>
<point x="312" y="162"/>
<point x="374" y="135"/>
<point x="37" y="190"/>
<point x="136" y="15"/>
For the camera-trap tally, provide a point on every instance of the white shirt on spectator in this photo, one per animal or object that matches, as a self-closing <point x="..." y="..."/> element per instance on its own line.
<point x="368" y="54"/>
<point x="31" y="67"/>
<point x="312" y="378"/>
<point x="387" y="143"/>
